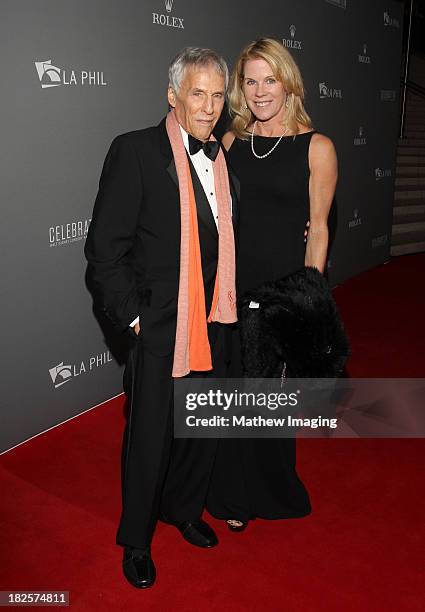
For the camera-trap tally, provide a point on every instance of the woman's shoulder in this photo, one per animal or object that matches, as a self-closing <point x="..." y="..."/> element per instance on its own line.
<point x="322" y="152"/>
<point x="321" y="144"/>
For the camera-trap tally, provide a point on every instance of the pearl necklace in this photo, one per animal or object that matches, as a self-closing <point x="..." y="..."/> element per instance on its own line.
<point x="271" y="150"/>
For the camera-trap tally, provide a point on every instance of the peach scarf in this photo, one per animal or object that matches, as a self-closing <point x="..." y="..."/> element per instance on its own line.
<point x="192" y="349"/>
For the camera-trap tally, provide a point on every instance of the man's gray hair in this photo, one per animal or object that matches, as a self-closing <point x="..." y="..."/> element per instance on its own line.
<point x="195" y="56"/>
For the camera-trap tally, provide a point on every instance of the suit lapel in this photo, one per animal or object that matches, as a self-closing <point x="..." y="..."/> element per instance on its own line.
<point x="171" y="169"/>
<point x="235" y="188"/>
<point x="167" y="152"/>
<point x="235" y="194"/>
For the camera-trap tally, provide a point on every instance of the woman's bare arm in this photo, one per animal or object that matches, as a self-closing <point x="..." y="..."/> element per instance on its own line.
<point x="323" y="178"/>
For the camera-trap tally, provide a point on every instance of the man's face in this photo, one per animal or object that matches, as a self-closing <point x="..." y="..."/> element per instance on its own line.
<point x="199" y="101"/>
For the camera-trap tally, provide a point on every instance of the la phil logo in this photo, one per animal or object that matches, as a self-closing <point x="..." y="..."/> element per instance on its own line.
<point x="329" y="92"/>
<point x="291" y="43"/>
<point x="388" y="95"/>
<point x="339" y="3"/>
<point x="390" y="21"/>
<point x="67" y="233"/>
<point x="379" y="241"/>
<point x="52" y="76"/>
<point x="63" y="373"/>
<point x="381" y="173"/>
<point x="168" y="20"/>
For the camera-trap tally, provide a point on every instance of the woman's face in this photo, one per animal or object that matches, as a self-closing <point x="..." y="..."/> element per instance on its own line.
<point x="265" y="96"/>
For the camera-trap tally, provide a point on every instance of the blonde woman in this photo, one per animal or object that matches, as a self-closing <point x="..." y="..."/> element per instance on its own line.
<point x="288" y="175"/>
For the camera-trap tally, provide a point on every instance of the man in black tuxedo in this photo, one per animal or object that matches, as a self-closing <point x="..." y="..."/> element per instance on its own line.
<point x="133" y="250"/>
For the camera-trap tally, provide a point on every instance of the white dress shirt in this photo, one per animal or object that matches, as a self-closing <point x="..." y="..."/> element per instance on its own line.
<point x="204" y="169"/>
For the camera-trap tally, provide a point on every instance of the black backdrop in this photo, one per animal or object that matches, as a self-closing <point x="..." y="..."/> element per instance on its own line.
<point x="75" y="74"/>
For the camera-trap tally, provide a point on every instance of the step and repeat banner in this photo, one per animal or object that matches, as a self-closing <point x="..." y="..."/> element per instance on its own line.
<point x="77" y="73"/>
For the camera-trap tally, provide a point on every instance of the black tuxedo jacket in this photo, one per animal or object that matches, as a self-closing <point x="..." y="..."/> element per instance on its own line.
<point x="133" y="243"/>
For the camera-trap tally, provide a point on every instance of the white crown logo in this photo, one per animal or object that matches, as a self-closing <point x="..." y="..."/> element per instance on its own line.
<point x="292" y="30"/>
<point x="169" y="5"/>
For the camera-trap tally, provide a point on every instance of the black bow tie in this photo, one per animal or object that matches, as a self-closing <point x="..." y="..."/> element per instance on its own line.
<point x="210" y="148"/>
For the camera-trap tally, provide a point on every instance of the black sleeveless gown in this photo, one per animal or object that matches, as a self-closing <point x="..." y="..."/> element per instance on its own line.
<point x="257" y="477"/>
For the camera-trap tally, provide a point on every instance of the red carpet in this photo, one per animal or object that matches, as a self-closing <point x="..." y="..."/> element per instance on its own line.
<point x="360" y="550"/>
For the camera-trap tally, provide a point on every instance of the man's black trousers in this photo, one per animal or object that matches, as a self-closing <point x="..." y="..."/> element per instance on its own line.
<point x="161" y="474"/>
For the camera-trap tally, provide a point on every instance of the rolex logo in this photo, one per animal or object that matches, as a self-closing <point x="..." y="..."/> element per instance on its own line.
<point x="356" y="220"/>
<point x="167" y="19"/>
<point x="364" y="58"/>
<point x="361" y="138"/>
<point x="292" y="43"/>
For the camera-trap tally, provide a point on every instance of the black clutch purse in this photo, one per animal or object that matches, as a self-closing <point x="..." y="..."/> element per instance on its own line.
<point x="291" y="328"/>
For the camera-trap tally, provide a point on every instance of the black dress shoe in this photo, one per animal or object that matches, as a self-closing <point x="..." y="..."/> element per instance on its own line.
<point x="138" y="567"/>
<point x="198" y="533"/>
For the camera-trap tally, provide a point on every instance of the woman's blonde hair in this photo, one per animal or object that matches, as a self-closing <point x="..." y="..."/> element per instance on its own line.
<point x="284" y="69"/>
